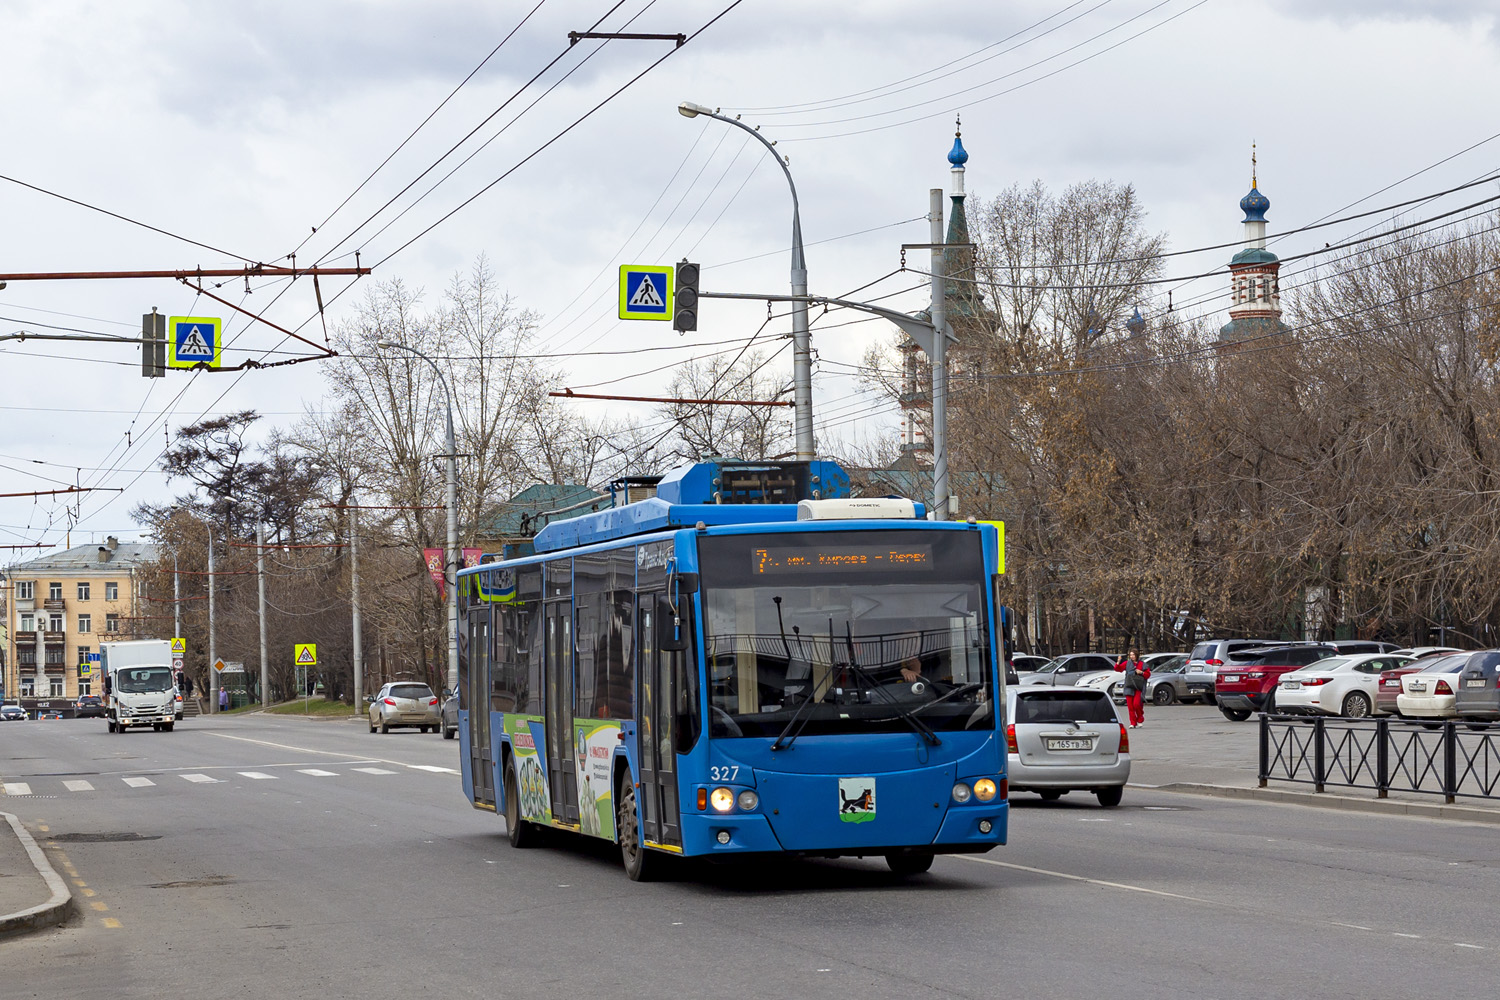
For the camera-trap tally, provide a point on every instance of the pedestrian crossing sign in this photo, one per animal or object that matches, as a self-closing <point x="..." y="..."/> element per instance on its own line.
<point x="179" y="646"/>
<point x="195" y="340"/>
<point x="645" y="291"/>
<point x="307" y="654"/>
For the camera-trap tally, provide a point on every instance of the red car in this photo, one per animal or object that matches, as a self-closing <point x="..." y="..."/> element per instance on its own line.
<point x="1251" y="687"/>
<point x="1390" y="680"/>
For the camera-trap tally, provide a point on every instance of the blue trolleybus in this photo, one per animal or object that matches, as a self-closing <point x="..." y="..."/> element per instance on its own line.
<point x="747" y="663"/>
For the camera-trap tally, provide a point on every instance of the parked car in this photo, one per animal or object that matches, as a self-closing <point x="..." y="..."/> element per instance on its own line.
<point x="1169" y="681"/>
<point x="12" y="713"/>
<point x="1358" y="647"/>
<point x="1430" y="692"/>
<point x="1066" y="739"/>
<point x="1107" y="681"/>
<point x="1422" y="651"/>
<point x="1027" y="662"/>
<point x="88" y="706"/>
<point x="1389" y="688"/>
<point x="1208" y="656"/>
<point x="1250" y="686"/>
<point x="1478" y="696"/>
<point x="449" y="715"/>
<point x="404" y="703"/>
<point x="49" y="715"/>
<point x="1337" y="685"/>
<point x="1067" y="669"/>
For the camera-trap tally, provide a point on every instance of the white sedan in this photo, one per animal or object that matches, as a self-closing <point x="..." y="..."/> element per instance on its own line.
<point x="1429" y="693"/>
<point x="1336" y="685"/>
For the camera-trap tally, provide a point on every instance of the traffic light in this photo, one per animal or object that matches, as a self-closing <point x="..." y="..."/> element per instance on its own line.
<point x="686" y="317"/>
<point x="153" y="345"/>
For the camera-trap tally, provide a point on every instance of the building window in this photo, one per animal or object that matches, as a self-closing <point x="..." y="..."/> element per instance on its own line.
<point x="85" y="686"/>
<point x="55" y="622"/>
<point x="25" y="590"/>
<point x="54" y="592"/>
<point x="111" y="591"/>
<point x="85" y="624"/>
<point x="56" y="685"/>
<point x="83" y="591"/>
<point x="111" y="623"/>
<point x="28" y="686"/>
<point x="27" y="658"/>
<point x="54" y="657"/>
<point x="28" y="623"/>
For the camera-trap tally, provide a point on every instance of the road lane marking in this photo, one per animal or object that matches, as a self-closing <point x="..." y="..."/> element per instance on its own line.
<point x="373" y="770"/>
<point x="111" y="923"/>
<point x="362" y="758"/>
<point x="200" y="778"/>
<point x="1417" y="937"/>
<point x="1353" y="927"/>
<point x="258" y="775"/>
<point x="1460" y="944"/>
<point x="138" y="782"/>
<point x="317" y="773"/>
<point x="1084" y="878"/>
<point x="17" y="788"/>
<point x="99" y="906"/>
<point x="78" y="786"/>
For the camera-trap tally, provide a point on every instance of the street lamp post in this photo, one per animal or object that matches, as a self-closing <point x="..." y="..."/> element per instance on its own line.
<point x="801" y="339"/>
<point x="450" y="555"/>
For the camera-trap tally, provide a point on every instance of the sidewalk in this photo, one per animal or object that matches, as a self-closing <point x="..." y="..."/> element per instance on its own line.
<point x="1195" y="750"/>
<point x="32" y="895"/>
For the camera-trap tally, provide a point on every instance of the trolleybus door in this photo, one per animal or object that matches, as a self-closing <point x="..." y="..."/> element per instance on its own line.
<point x="658" y="756"/>
<point x="562" y="778"/>
<point x="478" y="697"/>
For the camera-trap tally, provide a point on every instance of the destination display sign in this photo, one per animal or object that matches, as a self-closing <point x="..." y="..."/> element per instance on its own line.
<point x="804" y="559"/>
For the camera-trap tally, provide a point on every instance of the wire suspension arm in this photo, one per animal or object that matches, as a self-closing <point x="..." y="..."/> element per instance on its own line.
<point x="330" y="352"/>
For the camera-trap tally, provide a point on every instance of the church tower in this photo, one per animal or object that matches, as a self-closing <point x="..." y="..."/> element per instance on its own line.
<point x="1254" y="285"/>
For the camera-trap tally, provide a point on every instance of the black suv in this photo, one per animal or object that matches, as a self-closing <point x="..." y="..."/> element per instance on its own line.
<point x="89" y="706"/>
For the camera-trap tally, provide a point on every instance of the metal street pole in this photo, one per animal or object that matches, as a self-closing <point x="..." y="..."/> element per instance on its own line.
<point x="213" y="645"/>
<point x="359" y="653"/>
<point x="939" y="359"/>
<point x="451" y="556"/>
<point x="260" y="582"/>
<point x="176" y="600"/>
<point x="801" y="338"/>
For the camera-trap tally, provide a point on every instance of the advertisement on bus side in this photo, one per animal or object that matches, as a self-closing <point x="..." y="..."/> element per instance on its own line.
<point x="594" y="742"/>
<point x="527" y="735"/>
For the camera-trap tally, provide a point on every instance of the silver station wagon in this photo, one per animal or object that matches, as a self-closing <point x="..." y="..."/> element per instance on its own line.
<point x="1066" y="739"/>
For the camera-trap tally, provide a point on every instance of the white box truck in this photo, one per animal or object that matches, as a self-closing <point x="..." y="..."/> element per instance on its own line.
<point x="139" y="686"/>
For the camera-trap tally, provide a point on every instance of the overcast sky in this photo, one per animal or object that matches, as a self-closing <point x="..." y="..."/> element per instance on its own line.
<point x="241" y="126"/>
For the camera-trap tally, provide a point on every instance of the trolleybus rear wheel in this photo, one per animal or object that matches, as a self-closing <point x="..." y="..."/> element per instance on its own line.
<point x="520" y="832"/>
<point x="909" y="864"/>
<point x="641" y="863"/>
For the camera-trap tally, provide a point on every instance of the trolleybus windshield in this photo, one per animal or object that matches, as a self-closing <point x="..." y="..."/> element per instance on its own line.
<point x="845" y="632"/>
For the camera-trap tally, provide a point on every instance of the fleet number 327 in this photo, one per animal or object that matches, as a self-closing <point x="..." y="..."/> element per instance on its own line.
<point x="726" y="772"/>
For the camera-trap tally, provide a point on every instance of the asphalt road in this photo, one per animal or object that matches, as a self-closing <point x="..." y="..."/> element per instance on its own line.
<point x="355" y="868"/>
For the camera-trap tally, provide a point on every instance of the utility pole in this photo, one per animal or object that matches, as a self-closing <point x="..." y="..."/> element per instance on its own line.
<point x="260" y="581"/>
<point x="359" y="653"/>
<point x="939" y="359"/>
<point x="213" y="646"/>
<point x="176" y="600"/>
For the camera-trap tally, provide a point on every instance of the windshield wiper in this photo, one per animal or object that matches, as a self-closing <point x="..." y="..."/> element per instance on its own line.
<point x="812" y="685"/>
<point x="952" y="693"/>
<point x="921" y="728"/>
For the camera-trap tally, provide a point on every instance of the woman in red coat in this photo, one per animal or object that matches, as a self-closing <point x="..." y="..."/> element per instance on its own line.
<point x="1136" y="674"/>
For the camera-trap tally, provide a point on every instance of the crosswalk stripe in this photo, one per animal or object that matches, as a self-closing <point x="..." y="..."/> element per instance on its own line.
<point x="259" y="776"/>
<point x="139" y="782"/>
<point x="433" y="768"/>
<point x="373" y="770"/>
<point x="78" y="786"/>
<point x="316" y="773"/>
<point x="198" y="778"/>
<point x="17" y="788"/>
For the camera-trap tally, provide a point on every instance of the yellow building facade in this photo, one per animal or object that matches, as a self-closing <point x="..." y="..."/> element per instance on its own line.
<point x="59" y="608"/>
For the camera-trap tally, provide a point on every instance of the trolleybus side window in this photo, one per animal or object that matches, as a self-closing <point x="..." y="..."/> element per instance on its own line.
<point x="528" y="696"/>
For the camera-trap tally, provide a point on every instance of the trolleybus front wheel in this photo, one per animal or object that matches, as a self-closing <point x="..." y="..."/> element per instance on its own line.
<point x="520" y="832"/>
<point x="641" y="863"/>
<point x="909" y="864"/>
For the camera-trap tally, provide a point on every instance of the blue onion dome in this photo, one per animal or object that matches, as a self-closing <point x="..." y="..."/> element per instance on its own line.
<point x="1136" y="323"/>
<point x="958" y="156"/>
<point x="1255" y="205"/>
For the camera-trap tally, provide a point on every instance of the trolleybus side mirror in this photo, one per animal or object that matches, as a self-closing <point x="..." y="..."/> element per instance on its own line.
<point x="671" y="627"/>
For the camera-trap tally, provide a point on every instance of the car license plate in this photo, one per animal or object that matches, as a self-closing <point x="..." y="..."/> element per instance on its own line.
<point x="1291" y="685"/>
<point x="1231" y="678"/>
<point x="1419" y="686"/>
<point x="1056" y="744"/>
<point x="1477" y="682"/>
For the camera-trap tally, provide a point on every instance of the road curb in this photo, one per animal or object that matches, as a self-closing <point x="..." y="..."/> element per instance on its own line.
<point x="55" y="910"/>
<point x="1348" y="803"/>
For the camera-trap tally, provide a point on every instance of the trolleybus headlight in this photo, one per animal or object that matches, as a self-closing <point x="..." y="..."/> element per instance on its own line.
<point x="961" y="792"/>
<point x="984" y="789"/>
<point x="722" y="799"/>
<point x="748" y="800"/>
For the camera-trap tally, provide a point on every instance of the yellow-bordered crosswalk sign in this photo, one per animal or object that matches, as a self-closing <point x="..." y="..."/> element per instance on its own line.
<point x="646" y="291"/>
<point x="307" y="654"/>
<point x="195" y="340"/>
<point x="179" y="646"/>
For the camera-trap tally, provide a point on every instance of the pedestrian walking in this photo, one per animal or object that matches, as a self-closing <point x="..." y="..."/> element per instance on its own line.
<point x="1136" y="674"/>
<point x="223" y="699"/>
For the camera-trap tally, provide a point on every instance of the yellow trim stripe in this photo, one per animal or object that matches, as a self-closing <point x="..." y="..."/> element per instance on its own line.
<point x="664" y="847"/>
<point x="486" y="806"/>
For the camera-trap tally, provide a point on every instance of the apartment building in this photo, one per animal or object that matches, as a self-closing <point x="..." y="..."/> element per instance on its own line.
<point x="59" y="608"/>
